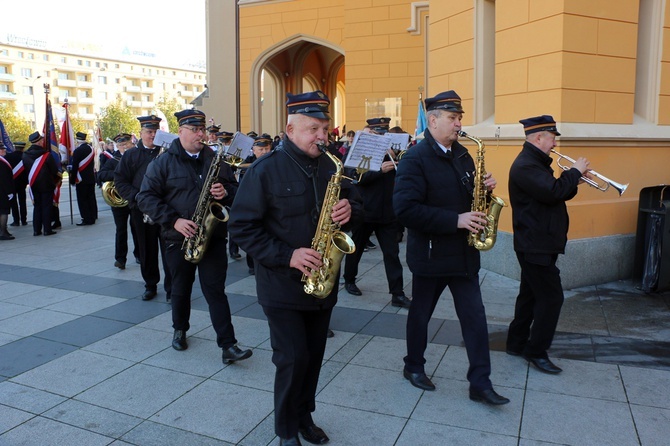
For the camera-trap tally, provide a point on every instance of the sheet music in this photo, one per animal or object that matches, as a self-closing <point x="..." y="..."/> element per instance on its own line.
<point x="164" y="139"/>
<point x="367" y="151"/>
<point x="240" y="146"/>
<point x="399" y="141"/>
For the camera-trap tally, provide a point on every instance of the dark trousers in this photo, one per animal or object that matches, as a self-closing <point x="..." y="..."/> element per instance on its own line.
<point x="121" y="216"/>
<point x="232" y="246"/>
<point x="538" y="306"/>
<point x="212" y="273"/>
<point x="18" y="205"/>
<point x="387" y="234"/>
<point x="149" y="242"/>
<point x="42" y="205"/>
<point x="88" y="206"/>
<point x="467" y="296"/>
<point x="298" y="341"/>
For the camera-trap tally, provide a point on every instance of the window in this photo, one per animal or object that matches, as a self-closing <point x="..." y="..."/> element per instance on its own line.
<point x="45" y="57"/>
<point x="4" y="52"/>
<point x="102" y="80"/>
<point x="20" y="54"/>
<point x="31" y="56"/>
<point x="80" y="62"/>
<point x="117" y="81"/>
<point x="102" y="96"/>
<point x="28" y="108"/>
<point x="3" y="69"/>
<point x="83" y="110"/>
<point x="116" y="65"/>
<point x="27" y="90"/>
<point x="87" y="63"/>
<point x="82" y="77"/>
<point x="4" y="88"/>
<point x="26" y="72"/>
<point x="63" y="59"/>
<point x="97" y="65"/>
<point x="63" y="76"/>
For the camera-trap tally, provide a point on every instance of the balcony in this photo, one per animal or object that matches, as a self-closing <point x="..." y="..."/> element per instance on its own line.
<point x="186" y="94"/>
<point x="130" y="103"/>
<point x="70" y="99"/>
<point x="85" y="84"/>
<point x="7" y="96"/>
<point x="7" y="77"/>
<point x="87" y="116"/>
<point x="148" y="90"/>
<point x="148" y="104"/>
<point x="85" y="101"/>
<point x="66" y="83"/>
<point x="132" y="89"/>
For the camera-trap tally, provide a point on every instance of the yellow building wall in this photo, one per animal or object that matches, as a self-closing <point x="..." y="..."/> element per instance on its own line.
<point x="664" y="97"/>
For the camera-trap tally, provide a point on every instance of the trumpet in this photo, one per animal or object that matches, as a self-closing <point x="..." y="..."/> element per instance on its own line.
<point x="621" y="188"/>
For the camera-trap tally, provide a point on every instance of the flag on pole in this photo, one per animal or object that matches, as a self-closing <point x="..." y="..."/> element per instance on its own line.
<point x="52" y="144"/>
<point x="67" y="144"/>
<point x="421" y="121"/>
<point x="5" y="138"/>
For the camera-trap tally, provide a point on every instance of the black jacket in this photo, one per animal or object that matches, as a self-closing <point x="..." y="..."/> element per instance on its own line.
<point x="48" y="177"/>
<point x="376" y="188"/>
<point x="432" y="188"/>
<point x="172" y="185"/>
<point x="14" y="158"/>
<point x="88" y="173"/>
<point x="539" y="215"/>
<point x="107" y="169"/>
<point x="6" y="184"/>
<point x="130" y="171"/>
<point x="275" y="212"/>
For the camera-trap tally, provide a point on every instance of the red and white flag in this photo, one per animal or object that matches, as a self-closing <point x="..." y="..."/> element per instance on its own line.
<point x="67" y="142"/>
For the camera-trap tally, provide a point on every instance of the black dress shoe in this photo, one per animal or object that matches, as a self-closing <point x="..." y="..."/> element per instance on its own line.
<point x="234" y="353"/>
<point x="16" y="223"/>
<point x="512" y="352"/>
<point x="252" y="272"/>
<point x="120" y="265"/>
<point x="235" y="255"/>
<point x="352" y="289"/>
<point x="314" y="434"/>
<point x="419" y="380"/>
<point x="24" y="223"/>
<point x="488" y="396"/>
<point x="544" y="365"/>
<point x="149" y="294"/>
<point x="7" y="236"/>
<point x="137" y="260"/>
<point x="50" y="233"/>
<point x="330" y="333"/>
<point x="400" y="300"/>
<point x="35" y="234"/>
<point x="56" y="225"/>
<point x="293" y="441"/>
<point x="179" y="340"/>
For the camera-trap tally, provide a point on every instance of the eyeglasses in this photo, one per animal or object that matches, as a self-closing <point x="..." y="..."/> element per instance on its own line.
<point x="194" y="129"/>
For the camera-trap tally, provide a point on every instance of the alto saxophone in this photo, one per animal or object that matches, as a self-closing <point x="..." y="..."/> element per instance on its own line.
<point x="485" y="238"/>
<point x="329" y="241"/>
<point x="208" y="213"/>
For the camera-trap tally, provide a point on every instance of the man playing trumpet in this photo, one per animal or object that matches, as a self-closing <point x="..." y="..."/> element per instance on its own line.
<point x="540" y="223"/>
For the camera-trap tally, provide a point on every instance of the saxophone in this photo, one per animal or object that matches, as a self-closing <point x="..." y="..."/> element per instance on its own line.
<point x="485" y="238"/>
<point x="208" y="213"/>
<point x="329" y="241"/>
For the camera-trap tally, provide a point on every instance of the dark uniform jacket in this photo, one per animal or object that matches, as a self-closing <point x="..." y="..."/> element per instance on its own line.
<point x="275" y="213"/>
<point x="107" y="170"/>
<point x="6" y="184"/>
<point x="130" y="171"/>
<point x="539" y="215"/>
<point x="172" y="185"/>
<point x="431" y="189"/>
<point x="376" y="188"/>
<point x="88" y="174"/>
<point x="48" y="177"/>
<point x="14" y="159"/>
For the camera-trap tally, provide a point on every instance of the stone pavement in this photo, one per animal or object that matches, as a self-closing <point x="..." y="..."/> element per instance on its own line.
<point x="84" y="361"/>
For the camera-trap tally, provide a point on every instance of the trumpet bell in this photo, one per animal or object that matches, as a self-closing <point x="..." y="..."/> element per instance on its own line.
<point x="111" y="195"/>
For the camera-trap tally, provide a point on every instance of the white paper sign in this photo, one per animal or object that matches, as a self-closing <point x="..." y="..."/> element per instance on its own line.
<point x="240" y="146"/>
<point x="367" y="151"/>
<point x="164" y="139"/>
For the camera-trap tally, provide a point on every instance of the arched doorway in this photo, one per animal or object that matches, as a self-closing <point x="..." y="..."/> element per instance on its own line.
<point x="300" y="63"/>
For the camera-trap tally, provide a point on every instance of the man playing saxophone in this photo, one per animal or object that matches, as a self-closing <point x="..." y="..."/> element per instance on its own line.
<point x="540" y="222"/>
<point x="433" y="198"/>
<point x="274" y="218"/>
<point x="169" y="194"/>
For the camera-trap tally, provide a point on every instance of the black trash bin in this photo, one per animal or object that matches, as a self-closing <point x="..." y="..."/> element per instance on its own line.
<point x="652" y="241"/>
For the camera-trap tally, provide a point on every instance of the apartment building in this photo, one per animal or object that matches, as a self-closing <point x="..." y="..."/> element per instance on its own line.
<point x="87" y="82"/>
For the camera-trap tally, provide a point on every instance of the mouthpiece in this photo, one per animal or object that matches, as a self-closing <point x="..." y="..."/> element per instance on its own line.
<point x="461" y="133"/>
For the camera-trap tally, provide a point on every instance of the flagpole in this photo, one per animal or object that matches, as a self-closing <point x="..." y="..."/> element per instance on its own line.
<point x="69" y="160"/>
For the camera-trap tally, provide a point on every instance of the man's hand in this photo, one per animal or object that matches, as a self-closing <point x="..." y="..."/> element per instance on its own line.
<point x="306" y="260"/>
<point x="582" y="165"/>
<point x="388" y="166"/>
<point x="218" y="191"/>
<point x="472" y="221"/>
<point x="185" y="227"/>
<point x="490" y="182"/>
<point x="341" y="212"/>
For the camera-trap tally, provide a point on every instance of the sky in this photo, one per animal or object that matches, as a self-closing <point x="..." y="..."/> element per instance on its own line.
<point x="161" y="32"/>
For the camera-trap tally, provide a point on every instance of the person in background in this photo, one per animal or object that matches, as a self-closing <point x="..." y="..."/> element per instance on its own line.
<point x="433" y="199"/>
<point x="170" y="195"/>
<point x="18" y="203"/>
<point x="274" y="219"/>
<point x="121" y="214"/>
<point x="540" y="224"/>
<point x="42" y="180"/>
<point x="6" y="192"/>
<point x="128" y="178"/>
<point x="82" y="172"/>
